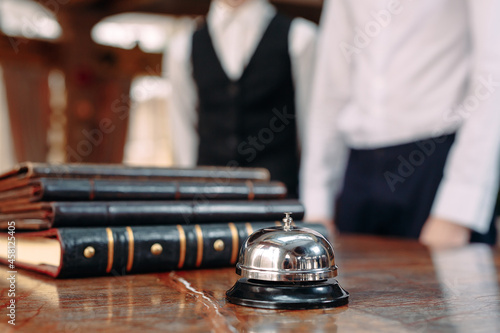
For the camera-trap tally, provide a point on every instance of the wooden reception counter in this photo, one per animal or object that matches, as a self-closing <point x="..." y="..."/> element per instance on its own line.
<point x="395" y="286"/>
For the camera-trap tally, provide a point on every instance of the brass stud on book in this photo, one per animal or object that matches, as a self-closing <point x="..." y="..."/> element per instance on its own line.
<point x="219" y="245"/>
<point x="89" y="252"/>
<point x="156" y="249"/>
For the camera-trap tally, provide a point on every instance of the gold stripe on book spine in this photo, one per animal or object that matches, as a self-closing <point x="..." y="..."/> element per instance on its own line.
<point x="177" y="191"/>
<point x="91" y="192"/>
<point x="111" y="249"/>
<point x="182" y="242"/>
<point x="234" y="235"/>
<point x="249" y="228"/>
<point x="251" y="193"/>
<point x="199" y="237"/>
<point x="130" y="261"/>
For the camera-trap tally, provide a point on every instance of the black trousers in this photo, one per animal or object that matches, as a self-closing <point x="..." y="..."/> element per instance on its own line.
<point x="390" y="191"/>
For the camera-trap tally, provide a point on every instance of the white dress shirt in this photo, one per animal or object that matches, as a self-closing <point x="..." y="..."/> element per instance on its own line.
<point x="393" y="72"/>
<point x="236" y="33"/>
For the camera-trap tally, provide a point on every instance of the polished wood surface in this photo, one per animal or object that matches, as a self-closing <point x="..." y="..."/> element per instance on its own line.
<point x="395" y="286"/>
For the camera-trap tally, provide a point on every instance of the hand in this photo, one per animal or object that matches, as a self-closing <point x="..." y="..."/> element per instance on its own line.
<point x="441" y="233"/>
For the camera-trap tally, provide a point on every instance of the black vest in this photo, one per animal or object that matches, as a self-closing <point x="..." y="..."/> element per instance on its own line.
<point x="249" y="122"/>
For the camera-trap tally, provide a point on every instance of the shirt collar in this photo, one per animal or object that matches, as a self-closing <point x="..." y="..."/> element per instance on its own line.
<point x="220" y="14"/>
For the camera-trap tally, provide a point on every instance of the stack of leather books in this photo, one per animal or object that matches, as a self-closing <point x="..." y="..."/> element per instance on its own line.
<point x="78" y="220"/>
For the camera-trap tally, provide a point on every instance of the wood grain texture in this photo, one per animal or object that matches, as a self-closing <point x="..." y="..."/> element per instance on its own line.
<point x="395" y="286"/>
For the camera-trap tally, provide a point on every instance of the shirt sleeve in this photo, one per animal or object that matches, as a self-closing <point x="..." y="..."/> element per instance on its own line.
<point x="324" y="155"/>
<point x="468" y="190"/>
<point x="183" y="101"/>
<point x="302" y="50"/>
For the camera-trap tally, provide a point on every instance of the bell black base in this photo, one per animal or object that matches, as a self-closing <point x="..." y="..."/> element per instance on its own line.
<point x="288" y="296"/>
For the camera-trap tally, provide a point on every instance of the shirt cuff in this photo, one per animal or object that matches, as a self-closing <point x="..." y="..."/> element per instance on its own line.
<point x="468" y="205"/>
<point x="319" y="204"/>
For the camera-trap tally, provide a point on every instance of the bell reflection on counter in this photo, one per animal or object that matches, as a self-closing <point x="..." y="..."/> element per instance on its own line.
<point x="287" y="268"/>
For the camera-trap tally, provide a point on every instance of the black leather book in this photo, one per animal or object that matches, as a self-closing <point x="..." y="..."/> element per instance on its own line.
<point x="21" y="174"/>
<point x="52" y="189"/>
<point x="45" y="215"/>
<point x="80" y="252"/>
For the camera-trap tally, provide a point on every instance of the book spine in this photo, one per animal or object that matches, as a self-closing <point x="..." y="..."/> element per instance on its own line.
<point x="128" y="250"/>
<point x="100" y="190"/>
<point x="75" y="214"/>
<point x="110" y="171"/>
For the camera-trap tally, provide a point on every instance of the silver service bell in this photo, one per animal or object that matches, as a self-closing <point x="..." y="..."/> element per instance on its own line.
<point x="287" y="267"/>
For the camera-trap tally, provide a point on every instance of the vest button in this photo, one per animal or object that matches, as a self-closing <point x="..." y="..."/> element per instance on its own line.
<point x="233" y="89"/>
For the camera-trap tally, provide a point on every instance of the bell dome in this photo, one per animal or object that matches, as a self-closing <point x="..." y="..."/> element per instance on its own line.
<point x="287" y="254"/>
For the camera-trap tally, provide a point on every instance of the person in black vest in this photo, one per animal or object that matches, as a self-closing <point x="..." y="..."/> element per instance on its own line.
<point x="240" y="88"/>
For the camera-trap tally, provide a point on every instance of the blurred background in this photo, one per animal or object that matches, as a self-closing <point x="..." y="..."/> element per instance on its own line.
<point x="83" y="81"/>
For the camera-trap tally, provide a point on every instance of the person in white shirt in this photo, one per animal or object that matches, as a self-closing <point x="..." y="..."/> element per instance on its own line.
<point x="241" y="83"/>
<point x="405" y="120"/>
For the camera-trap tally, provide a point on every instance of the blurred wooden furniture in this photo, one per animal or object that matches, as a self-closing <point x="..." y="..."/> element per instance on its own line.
<point x="395" y="285"/>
